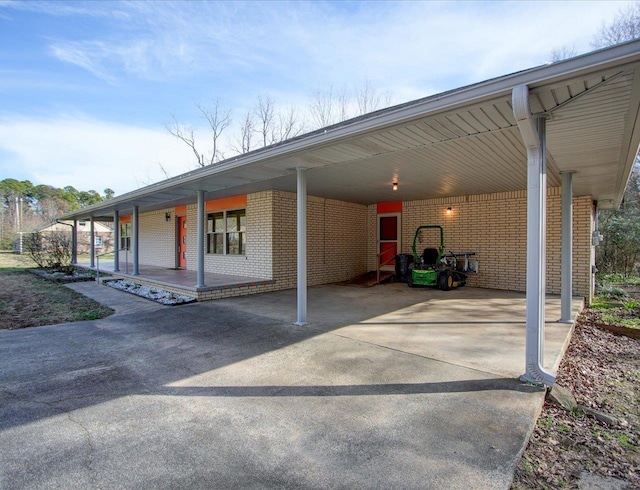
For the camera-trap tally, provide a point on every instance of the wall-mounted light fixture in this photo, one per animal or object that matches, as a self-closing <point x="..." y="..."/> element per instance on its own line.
<point x="167" y="216"/>
<point x="449" y="210"/>
<point x="394" y="186"/>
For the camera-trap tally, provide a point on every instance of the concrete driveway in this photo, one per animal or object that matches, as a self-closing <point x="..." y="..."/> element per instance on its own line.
<point x="388" y="387"/>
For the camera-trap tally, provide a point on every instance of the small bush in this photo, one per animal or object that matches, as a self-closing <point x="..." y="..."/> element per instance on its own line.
<point x="618" y="278"/>
<point x="609" y="291"/>
<point x="50" y="250"/>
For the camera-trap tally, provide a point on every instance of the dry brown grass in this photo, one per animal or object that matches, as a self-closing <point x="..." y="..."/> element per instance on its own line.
<point x="30" y="301"/>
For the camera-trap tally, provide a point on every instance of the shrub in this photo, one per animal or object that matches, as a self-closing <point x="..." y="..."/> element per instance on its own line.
<point x="51" y="250"/>
<point x="608" y="291"/>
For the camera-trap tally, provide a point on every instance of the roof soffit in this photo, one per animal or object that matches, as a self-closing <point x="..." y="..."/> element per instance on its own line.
<point x="480" y="114"/>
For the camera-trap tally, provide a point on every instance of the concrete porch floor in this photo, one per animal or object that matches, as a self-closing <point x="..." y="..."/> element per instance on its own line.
<point x="177" y="278"/>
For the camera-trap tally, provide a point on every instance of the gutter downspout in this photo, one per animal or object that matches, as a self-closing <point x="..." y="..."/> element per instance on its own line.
<point x="532" y="130"/>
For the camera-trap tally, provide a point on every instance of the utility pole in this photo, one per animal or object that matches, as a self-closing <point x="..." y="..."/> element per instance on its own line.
<point x="1" y="219"/>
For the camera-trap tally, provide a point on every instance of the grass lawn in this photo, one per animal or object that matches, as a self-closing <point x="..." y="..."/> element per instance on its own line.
<point x="30" y="301"/>
<point x="617" y="300"/>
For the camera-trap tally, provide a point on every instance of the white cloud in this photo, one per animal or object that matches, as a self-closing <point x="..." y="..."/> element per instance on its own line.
<point x="88" y="154"/>
<point x="269" y="45"/>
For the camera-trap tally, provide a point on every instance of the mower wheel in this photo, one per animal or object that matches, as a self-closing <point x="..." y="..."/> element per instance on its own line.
<point x="410" y="277"/>
<point x="445" y="280"/>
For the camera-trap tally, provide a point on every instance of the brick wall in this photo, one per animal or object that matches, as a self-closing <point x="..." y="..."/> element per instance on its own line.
<point x="336" y="240"/>
<point x="156" y="239"/>
<point x="342" y="239"/>
<point x="495" y="226"/>
<point x="257" y="261"/>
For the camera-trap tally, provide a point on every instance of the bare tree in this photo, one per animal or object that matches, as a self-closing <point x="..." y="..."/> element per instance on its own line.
<point x="247" y="129"/>
<point x="342" y="103"/>
<point x="625" y="27"/>
<point x="331" y="106"/>
<point x="185" y="135"/>
<point x="563" y="53"/>
<point x="369" y="99"/>
<point x="265" y="113"/>
<point x="271" y="125"/>
<point x="218" y="118"/>
<point x="321" y="107"/>
<point x="167" y="175"/>
<point x="289" y="124"/>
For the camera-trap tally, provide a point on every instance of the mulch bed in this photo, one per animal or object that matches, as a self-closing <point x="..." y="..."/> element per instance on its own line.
<point x="76" y="275"/>
<point x="602" y="370"/>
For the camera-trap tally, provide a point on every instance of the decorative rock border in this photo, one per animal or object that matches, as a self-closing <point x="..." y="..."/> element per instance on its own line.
<point x="156" y="294"/>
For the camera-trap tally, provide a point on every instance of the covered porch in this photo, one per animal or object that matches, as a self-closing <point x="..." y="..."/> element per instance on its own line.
<point x="182" y="281"/>
<point x="572" y="125"/>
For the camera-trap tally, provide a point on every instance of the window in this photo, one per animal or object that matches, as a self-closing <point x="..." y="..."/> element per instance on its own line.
<point x="125" y="236"/>
<point x="97" y="241"/>
<point x="227" y="232"/>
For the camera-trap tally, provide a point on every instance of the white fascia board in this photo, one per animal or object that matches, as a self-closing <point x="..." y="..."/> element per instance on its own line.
<point x="622" y="54"/>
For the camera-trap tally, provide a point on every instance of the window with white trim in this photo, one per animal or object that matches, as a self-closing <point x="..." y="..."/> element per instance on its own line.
<point x="125" y="236"/>
<point x="227" y="232"/>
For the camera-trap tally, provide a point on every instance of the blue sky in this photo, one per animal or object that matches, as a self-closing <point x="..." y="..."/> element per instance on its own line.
<point x="86" y="88"/>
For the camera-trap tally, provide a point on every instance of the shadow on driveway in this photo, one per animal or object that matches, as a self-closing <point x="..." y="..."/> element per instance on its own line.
<point x="229" y="394"/>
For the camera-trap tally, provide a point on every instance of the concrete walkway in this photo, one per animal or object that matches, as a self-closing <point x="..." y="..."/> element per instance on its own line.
<point x="388" y="387"/>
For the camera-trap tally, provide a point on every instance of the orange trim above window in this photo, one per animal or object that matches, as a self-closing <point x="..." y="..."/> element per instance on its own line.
<point x="389" y="207"/>
<point x="226" y="203"/>
<point x="180" y="210"/>
<point x="125" y="219"/>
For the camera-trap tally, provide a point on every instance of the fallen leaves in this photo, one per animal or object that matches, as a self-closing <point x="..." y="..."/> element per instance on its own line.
<point x="602" y="370"/>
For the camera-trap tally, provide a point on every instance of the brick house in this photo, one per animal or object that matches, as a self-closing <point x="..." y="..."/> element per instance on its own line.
<point x="513" y="168"/>
<point x="102" y="235"/>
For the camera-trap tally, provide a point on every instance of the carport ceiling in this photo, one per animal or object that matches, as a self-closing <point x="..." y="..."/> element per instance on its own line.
<point x="462" y="142"/>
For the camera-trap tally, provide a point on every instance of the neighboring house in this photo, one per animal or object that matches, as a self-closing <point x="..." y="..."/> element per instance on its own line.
<point x="102" y="236"/>
<point x="513" y="168"/>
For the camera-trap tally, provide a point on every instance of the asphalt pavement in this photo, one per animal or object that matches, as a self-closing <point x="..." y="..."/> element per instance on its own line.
<point x="231" y="394"/>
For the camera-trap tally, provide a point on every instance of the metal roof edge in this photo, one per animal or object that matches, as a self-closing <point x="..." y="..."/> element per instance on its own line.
<point x="533" y="77"/>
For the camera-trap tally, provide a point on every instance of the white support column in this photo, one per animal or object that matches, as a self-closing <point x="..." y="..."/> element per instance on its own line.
<point x="533" y="132"/>
<point x="566" y="288"/>
<point x="135" y="241"/>
<point x="92" y="244"/>
<point x="302" y="246"/>
<point x="200" y="224"/>
<point x="116" y="241"/>
<point x="74" y="242"/>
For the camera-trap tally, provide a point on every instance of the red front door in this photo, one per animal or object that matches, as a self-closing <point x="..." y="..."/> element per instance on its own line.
<point x="388" y="239"/>
<point x="182" y="241"/>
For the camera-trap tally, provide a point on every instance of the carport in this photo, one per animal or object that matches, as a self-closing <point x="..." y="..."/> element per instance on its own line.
<point x="572" y="124"/>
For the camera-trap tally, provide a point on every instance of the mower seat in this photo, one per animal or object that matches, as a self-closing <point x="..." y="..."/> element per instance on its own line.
<point x="430" y="256"/>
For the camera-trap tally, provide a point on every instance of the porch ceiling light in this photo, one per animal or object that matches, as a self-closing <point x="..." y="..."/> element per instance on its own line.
<point x="394" y="186"/>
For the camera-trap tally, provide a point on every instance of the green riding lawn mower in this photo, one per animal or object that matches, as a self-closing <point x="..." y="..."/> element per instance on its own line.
<point x="435" y="268"/>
